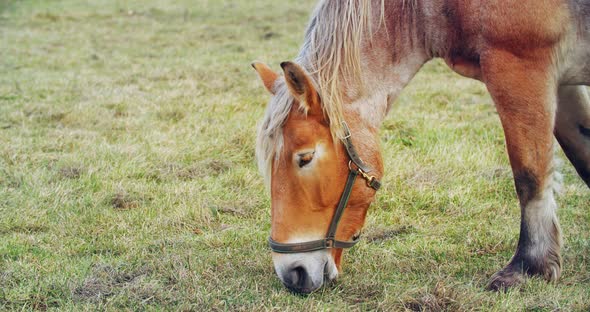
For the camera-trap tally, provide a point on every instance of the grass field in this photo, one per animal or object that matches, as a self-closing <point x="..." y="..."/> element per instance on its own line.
<point x="128" y="180"/>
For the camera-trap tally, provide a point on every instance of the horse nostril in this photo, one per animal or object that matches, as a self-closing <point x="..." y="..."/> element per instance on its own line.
<point x="298" y="280"/>
<point x="296" y="274"/>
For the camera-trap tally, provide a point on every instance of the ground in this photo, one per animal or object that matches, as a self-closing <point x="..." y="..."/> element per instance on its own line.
<point x="128" y="180"/>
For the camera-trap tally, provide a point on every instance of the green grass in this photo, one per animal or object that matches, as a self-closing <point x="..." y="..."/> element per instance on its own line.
<point x="127" y="178"/>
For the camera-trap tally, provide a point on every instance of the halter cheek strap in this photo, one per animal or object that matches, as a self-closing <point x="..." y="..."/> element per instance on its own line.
<point x="330" y="241"/>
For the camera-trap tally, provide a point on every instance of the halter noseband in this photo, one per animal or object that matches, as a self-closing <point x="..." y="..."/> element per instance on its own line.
<point x="330" y="241"/>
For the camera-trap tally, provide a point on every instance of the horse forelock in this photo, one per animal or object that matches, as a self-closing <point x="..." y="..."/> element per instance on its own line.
<point x="270" y="131"/>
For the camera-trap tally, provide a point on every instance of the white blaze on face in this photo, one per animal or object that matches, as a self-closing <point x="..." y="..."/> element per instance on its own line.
<point x="317" y="266"/>
<point x="319" y="152"/>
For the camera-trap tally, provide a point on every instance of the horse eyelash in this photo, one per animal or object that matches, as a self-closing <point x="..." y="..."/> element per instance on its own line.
<point x="304" y="159"/>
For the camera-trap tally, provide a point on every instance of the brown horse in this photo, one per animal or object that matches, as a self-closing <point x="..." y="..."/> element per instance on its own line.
<point x="532" y="55"/>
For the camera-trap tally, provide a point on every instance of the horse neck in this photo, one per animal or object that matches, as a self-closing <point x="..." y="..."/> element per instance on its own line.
<point x="415" y="32"/>
<point x="390" y="59"/>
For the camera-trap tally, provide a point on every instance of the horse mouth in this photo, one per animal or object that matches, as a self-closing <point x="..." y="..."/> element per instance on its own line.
<point x="302" y="291"/>
<point x="330" y="273"/>
<point x="328" y="278"/>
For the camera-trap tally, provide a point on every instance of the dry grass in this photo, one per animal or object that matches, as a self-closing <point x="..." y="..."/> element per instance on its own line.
<point x="127" y="178"/>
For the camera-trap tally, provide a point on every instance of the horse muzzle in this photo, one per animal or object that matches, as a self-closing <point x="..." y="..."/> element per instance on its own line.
<point x="306" y="272"/>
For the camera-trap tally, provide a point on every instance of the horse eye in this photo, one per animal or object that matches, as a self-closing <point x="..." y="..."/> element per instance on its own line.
<point x="304" y="159"/>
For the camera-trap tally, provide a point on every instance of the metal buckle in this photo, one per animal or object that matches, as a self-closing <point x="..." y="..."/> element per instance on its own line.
<point x="329" y="242"/>
<point x="346" y="131"/>
<point x="368" y="178"/>
<point x="370" y="181"/>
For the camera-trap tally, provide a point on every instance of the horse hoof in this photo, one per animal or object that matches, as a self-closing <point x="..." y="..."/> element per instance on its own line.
<point x="505" y="279"/>
<point x="515" y="272"/>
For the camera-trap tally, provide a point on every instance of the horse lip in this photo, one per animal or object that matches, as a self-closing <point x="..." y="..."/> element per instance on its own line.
<point x="302" y="291"/>
<point x="326" y="273"/>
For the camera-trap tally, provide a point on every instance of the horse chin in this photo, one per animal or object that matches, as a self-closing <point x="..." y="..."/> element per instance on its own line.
<point x="306" y="272"/>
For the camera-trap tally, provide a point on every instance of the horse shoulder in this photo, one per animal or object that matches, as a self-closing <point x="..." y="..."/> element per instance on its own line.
<point x="528" y="24"/>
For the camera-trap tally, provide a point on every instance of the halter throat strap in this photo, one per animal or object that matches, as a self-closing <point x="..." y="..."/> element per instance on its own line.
<point x="330" y="241"/>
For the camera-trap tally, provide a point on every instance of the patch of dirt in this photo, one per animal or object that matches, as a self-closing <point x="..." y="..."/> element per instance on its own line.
<point x="70" y="172"/>
<point x="231" y="210"/>
<point x="363" y="297"/>
<point x="6" y="278"/>
<point x="269" y="35"/>
<point x="23" y="228"/>
<point x="487" y="249"/>
<point x="171" y="115"/>
<point x="119" y="109"/>
<point x="441" y="298"/>
<point x="49" y="17"/>
<point x="122" y="200"/>
<point x="498" y="172"/>
<point x="383" y="234"/>
<point x="201" y="169"/>
<point x="216" y="166"/>
<point x="538" y="307"/>
<point x="400" y="132"/>
<point x="106" y="281"/>
<point x="424" y="179"/>
<point x="186" y="174"/>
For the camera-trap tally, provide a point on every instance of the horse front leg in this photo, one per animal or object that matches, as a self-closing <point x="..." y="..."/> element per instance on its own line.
<point x="524" y="91"/>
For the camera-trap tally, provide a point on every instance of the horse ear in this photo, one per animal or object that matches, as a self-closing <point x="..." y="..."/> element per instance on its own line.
<point x="302" y="88"/>
<point x="267" y="75"/>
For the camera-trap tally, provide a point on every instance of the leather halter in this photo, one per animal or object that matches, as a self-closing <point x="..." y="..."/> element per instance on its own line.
<point x="330" y="241"/>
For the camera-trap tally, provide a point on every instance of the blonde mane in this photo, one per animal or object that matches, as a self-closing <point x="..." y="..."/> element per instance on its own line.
<point x="331" y="53"/>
